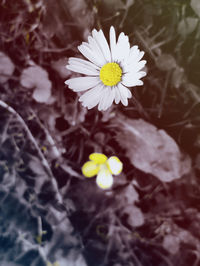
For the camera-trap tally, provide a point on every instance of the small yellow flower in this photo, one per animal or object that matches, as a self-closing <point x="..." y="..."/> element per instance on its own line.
<point x="103" y="167"/>
<point x="54" y="264"/>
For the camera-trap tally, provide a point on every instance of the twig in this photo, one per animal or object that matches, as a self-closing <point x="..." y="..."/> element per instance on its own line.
<point x="52" y="143"/>
<point x="163" y="94"/>
<point x="42" y="158"/>
<point x="192" y="89"/>
<point x="56" y="50"/>
<point x="168" y="262"/>
<point x="157" y="45"/>
<point x="126" y="242"/>
<point x="55" y="150"/>
<point x="5" y="129"/>
<point x="145" y="44"/>
<point x="158" y="34"/>
<point x="139" y="107"/>
<point x="39" y="225"/>
<point x="124" y="18"/>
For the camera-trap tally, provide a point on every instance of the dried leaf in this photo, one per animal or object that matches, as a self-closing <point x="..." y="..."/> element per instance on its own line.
<point x="195" y="5"/>
<point x="73" y="259"/>
<point x="112" y="6"/>
<point x="60" y="67"/>
<point x="177" y="77"/>
<point x="171" y="244"/>
<point x="152" y="150"/>
<point x="131" y="194"/>
<point x="37" y="78"/>
<point x="36" y="166"/>
<point x="187" y="26"/>
<point x="74" y="113"/>
<point x="81" y="13"/>
<point x="135" y="216"/>
<point x="6" y="68"/>
<point x="165" y="62"/>
<point x="129" y="3"/>
<point x="43" y="93"/>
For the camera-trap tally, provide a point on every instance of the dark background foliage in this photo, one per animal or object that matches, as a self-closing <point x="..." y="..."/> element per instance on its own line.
<point x="49" y="213"/>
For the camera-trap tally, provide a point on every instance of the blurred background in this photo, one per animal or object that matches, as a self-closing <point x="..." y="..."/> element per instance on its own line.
<point x="50" y="214"/>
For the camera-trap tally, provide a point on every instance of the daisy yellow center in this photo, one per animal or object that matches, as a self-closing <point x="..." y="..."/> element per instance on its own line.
<point x="110" y="74"/>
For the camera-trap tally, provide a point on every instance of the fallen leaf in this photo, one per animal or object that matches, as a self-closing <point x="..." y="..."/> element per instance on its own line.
<point x="37" y="78"/>
<point x="135" y="216"/>
<point x="151" y="150"/>
<point x="171" y="244"/>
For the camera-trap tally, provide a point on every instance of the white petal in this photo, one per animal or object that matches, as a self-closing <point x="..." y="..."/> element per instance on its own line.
<point x="103" y="44"/>
<point x="83" y="70"/>
<point x="113" y="43"/>
<point x="129" y="94"/>
<point x="82" y="83"/>
<point x="133" y="79"/>
<point x="123" y="94"/>
<point x="91" y="55"/>
<point x="104" y="95"/>
<point x="117" y="95"/>
<point x="123" y="47"/>
<point x="86" y="44"/>
<point x="75" y="60"/>
<point x="135" y="56"/>
<point x="103" y="98"/>
<point x="140" y="55"/>
<point x="96" y="98"/>
<point x="115" y="165"/>
<point x="104" y="179"/>
<point x="134" y="66"/>
<point x="75" y="63"/>
<point x="92" y="97"/>
<point x="108" y="98"/>
<point x="96" y="49"/>
<point x="134" y="51"/>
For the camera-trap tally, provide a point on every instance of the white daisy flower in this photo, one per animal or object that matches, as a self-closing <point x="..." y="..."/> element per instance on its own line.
<point x="109" y="70"/>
